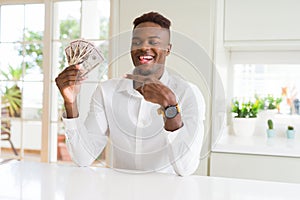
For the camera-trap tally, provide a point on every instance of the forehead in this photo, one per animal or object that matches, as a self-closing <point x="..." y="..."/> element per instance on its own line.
<point x="150" y="29"/>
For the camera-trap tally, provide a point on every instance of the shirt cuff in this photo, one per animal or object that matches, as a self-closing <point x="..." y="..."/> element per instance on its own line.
<point x="70" y="123"/>
<point x="171" y="135"/>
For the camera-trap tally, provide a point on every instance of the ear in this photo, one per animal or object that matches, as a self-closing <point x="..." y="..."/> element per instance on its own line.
<point x="169" y="49"/>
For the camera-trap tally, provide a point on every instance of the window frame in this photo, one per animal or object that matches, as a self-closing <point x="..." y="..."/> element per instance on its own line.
<point x="48" y="139"/>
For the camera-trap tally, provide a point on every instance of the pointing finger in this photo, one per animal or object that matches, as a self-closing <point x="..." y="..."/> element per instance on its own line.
<point x="137" y="78"/>
<point x="142" y="79"/>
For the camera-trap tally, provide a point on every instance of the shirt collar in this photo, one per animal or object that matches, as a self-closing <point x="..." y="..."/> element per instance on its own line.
<point x="165" y="77"/>
<point x="127" y="85"/>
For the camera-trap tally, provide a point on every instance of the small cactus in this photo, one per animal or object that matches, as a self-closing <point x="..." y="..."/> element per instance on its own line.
<point x="270" y="124"/>
<point x="290" y="128"/>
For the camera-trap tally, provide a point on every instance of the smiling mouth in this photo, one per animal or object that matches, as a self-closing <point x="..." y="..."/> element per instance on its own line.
<point x="146" y="59"/>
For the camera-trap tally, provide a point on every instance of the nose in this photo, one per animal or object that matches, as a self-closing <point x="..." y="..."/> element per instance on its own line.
<point x="141" y="46"/>
<point x="145" y="46"/>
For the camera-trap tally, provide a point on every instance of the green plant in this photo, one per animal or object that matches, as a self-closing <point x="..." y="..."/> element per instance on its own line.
<point x="12" y="99"/>
<point x="261" y="102"/>
<point x="290" y="128"/>
<point x="245" y="109"/>
<point x="272" y="102"/>
<point x="269" y="102"/>
<point x="270" y="124"/>
<point x="12" y="74"/>
<point x="11" y="96"/>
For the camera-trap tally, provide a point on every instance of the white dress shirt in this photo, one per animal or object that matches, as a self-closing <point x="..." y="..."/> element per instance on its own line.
<point x="136" y="130"/>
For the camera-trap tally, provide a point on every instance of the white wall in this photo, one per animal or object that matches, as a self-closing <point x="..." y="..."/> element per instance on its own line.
<point x="262" y="23"/>
<point x="262" y="20"/>
<point x="192" y="39"/>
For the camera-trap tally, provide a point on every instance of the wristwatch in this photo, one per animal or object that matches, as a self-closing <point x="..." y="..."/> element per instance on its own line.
<point x="171" y="111"/>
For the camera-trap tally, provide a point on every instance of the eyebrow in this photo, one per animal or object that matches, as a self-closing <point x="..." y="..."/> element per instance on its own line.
<point x="150" y="37"/>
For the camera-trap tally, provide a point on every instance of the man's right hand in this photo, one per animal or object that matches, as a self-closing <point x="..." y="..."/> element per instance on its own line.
<point x="68" y="83"/>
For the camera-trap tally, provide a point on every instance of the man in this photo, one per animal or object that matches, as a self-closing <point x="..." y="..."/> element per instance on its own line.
<point x="154" y="119"/>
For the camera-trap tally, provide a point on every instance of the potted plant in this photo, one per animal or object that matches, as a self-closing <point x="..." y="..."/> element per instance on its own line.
<point x="270" y="130"/>
<point x="272" y="102"/>
<point x="11" y="100"/>
<point x="11" y="95"/>
<point x="290" y="132"/>
<point x="244" y="117"/>
<point x="269" y="106"/>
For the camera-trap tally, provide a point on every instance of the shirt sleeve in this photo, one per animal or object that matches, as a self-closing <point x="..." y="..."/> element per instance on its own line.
<point x="86" y="140"/>
<point x="185" y="143"/>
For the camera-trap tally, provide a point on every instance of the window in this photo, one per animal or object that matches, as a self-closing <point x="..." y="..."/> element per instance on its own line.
<point x="264" y="77"/>
<point x="32" y="50"/>
<point x="88" y="20"/>
<point x="21" y="78"/>
<point x="262" y="74"/>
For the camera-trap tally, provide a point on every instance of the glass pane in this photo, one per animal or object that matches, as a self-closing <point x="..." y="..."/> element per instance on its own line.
<point x="59" y="58"/>
<point x="262" y="79"/>
<point x="90" y="20"/>
<point x="32" y="139"/>
<point x="104" y="8"/>
<point x="10" y="139"/>
<point x="33" y="60"/>
<point x="11" y="32"/>
<point x="10" y="63"/>
<point x="95" y="19"/>
<point x="67" y="20"/>
<point x="34" y="17"/>
<point x="32" y="100"/>
<point x="11" y="97"/>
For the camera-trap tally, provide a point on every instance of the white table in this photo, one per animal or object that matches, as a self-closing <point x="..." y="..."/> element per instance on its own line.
<point x="33" y="180"/>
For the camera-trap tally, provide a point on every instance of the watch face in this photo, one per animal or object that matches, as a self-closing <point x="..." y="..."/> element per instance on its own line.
<point x="171" y="112"/>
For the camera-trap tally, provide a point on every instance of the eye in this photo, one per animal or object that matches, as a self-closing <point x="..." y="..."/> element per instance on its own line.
<point x="154" y="42"/>
<point x="136" y="42"/>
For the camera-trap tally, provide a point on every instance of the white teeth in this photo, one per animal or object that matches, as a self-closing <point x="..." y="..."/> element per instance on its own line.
<point x="146" y="57"/>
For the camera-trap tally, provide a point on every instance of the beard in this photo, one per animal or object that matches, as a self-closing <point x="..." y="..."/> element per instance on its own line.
<point x="146" y="70"/>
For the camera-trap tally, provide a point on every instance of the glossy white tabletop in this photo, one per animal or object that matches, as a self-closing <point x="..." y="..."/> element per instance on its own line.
<point x="33" y="180"/>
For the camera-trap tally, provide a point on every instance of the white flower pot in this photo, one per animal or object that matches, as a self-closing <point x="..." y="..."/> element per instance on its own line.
<point x="244" y="126"/>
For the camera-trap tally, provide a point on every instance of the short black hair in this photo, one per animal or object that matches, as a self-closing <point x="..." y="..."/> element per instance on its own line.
<point x="153" y="17"/>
